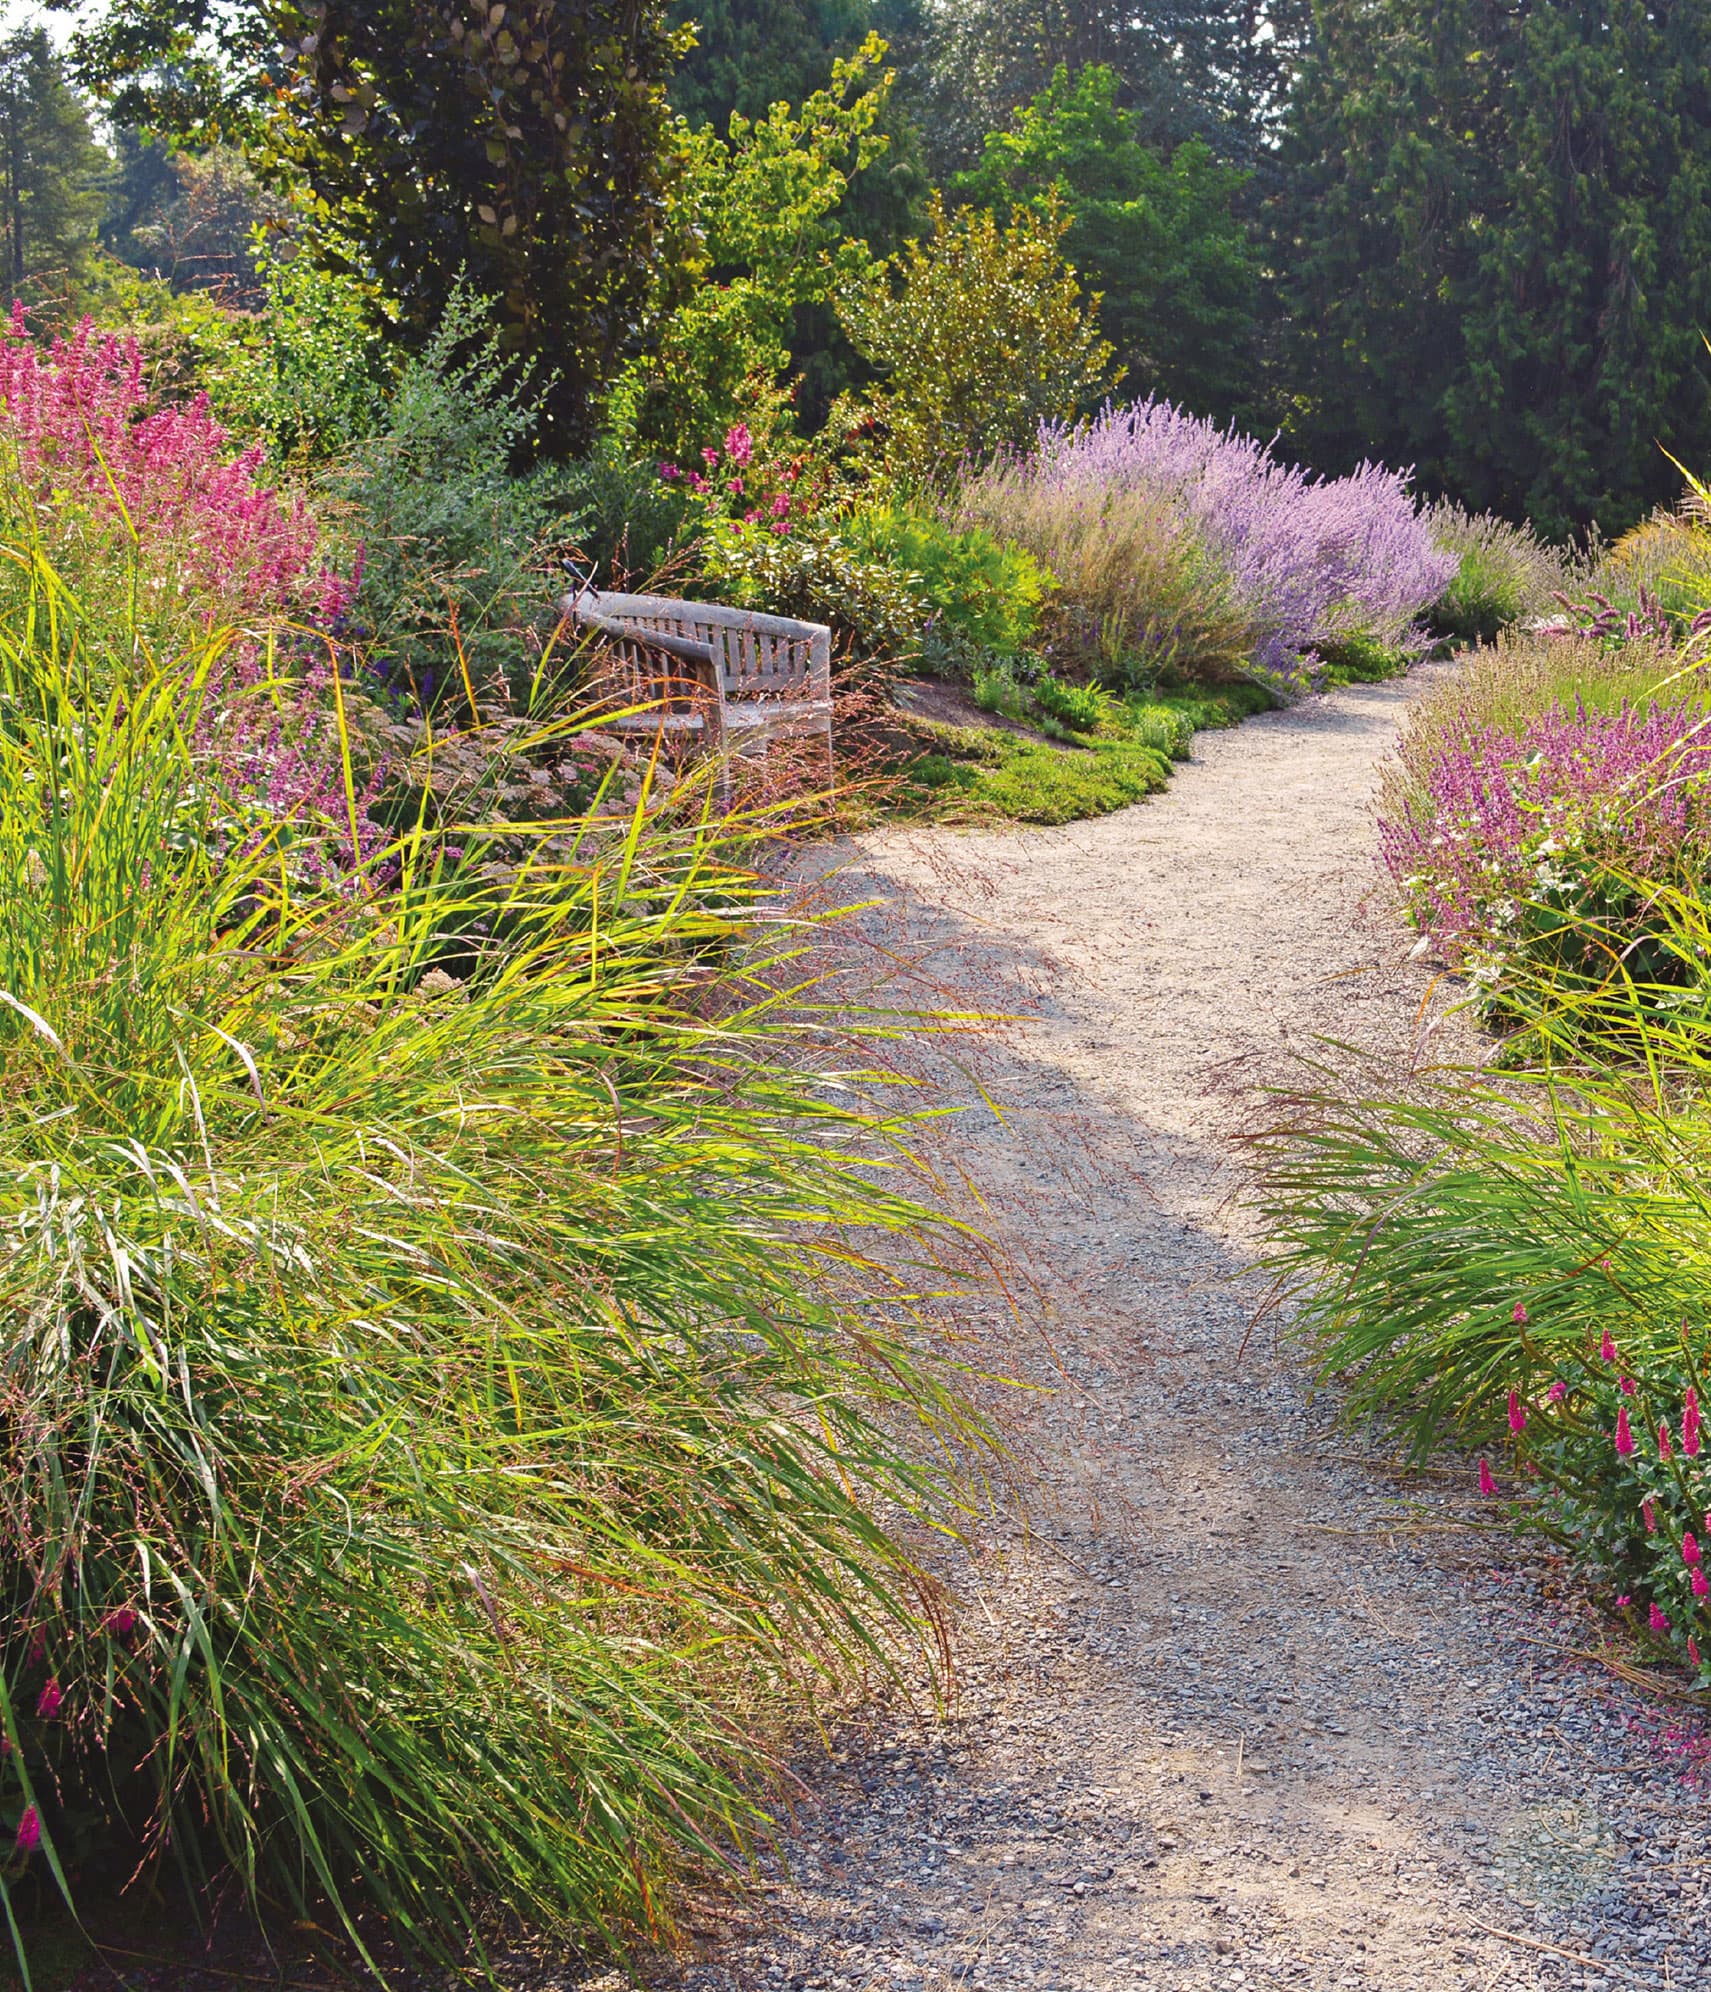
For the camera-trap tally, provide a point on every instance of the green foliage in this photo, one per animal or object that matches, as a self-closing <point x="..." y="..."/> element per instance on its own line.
<point x="1507" y="574"/>
<point x="752" y="54"/>
<point x="526" y="148"/>
<point x="462" y="1404"/>
<point x="875" y="610"/>
<point x="51" y="191"/>
<point x="460" y="557"/>
<point x="978" y="333"/>
<point x="312" y="374"/>
<point x="633" y="522"/>
<point x="1141" y="596"/>
<point x="1211" y="70"/>
<point x="1081" y="707"/>
<point x="1461" y="1241"/>
<point x="753" y="236"/>
<point x="1496" y="250"/>
<point x="976" y="586"/>
<point x="1157" y="236"/>
<point x="1360" y="659"/>
<point x="193" y="218"/>
<point x="1122" y="754"/>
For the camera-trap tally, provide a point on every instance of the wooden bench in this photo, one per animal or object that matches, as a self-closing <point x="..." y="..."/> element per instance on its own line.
<point x="739" y="679"/>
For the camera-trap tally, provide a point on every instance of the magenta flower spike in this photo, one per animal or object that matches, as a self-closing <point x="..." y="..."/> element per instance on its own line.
<point x="1650" y="1515"/>
<point x="1623" y="1602"/>
<point x="1486" y="1484"/>
<point x="29" y="1836"/>
<point x="1558" y="1391"/>
<point x="1658" y="1621"/>
<point x="1517" y="1417"/>
<point x="1693" y="1649"/>
<point x="1690" y="1424"/>
<point x="1624" y="1437"/>
<point x="1607" y="1348"/>
<point x="48" y="1701"/>
<point x="1689" y="1548"/>
<point x="1626" y="1385"/>
<point x="1520" y="1315"/>
<point x="1701" y="1584"/>
<point x="1665" y="1449"/>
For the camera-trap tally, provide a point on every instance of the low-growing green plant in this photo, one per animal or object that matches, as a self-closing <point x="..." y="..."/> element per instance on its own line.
<point x="1361" y="659"/>
<point x="468" y="1363"/>
<point x="1506" y="574"/>
<point x="1082" y="707"/>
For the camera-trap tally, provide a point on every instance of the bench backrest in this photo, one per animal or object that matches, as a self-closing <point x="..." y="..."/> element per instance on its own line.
<point x="759" y="656"/>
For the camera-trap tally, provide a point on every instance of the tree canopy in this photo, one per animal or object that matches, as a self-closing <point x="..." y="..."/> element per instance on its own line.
<point x="1158" y="234"/>
<point x="522" y="143"/>
<point x="1496" y="234"/>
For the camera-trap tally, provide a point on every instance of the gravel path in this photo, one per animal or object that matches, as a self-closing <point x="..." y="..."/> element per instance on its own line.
<point x="1243" y="1709"/>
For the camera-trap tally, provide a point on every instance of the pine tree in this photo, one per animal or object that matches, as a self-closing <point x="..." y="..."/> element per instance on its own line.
<point x="52" y="170"/>
<point x="1497" y="240"/>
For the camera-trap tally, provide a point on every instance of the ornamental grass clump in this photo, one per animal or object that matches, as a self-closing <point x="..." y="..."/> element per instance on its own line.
<point x="469" y="1373"/>
<point x="1302" y="560"/>
<point x="1504" y="574"/>
<point x="1525" y="1267"/>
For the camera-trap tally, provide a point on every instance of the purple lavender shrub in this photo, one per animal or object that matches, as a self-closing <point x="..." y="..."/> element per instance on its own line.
<point x="1305" y="560"/>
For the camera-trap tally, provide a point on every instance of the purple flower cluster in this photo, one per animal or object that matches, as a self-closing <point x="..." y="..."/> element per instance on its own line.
<point x="1493" y="815"/>
<point x="1311" y="558"/>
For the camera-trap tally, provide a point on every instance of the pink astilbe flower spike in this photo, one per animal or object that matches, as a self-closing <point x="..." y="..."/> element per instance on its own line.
<point x="1665" y="1450"/>
<point x="1658" y="1621"/>
<point x="1690" y="1424"/>
<point x="1624" y="1437"/>
<point x="1623" y="1602"/>
<point x="1486" y="1484"/>
<point x="1517" y="1417"/>
<point x="1689" y="1548"/>
<point x="1520" y="1314"/>
<point x="1558" y="1391"/>
<point x="1693" y="1649"/>
<point x="1607" y="1348"/>
<point x="48" y="1701"/>
<point x="1626" y="1385"/>
<point x="29" y="1834"/>
<point x="1701" y="1584"/>
<point x="1649" y="1515"/>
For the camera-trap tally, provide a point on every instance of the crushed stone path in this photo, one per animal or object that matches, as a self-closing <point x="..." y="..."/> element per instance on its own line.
<point x="1240" y="1707"/>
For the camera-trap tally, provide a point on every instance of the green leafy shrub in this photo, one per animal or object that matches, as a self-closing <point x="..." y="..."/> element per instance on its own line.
<point x="313" y="373"/>
<point x="876" y="611"/>
<point x="453" y="1359"/>
<point x="985" y="590"/>
<point x="460" y="557"/>
<point x="978" y="333"/>
<point x="1506" y="574"/>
